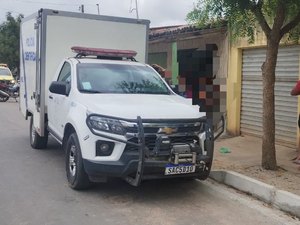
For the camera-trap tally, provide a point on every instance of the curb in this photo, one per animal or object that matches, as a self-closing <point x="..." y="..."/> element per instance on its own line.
<point x="283" y="200"/>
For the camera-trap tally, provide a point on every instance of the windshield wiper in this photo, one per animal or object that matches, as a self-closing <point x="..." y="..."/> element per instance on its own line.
<point x="153" y="93"/>
<point x="90" y="91"/>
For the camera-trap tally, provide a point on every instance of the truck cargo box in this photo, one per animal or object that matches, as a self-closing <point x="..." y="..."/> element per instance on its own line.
<point x="46" y="38"/>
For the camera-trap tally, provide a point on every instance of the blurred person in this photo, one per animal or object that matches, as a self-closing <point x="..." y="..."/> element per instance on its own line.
<point x="295" y="92"/>
<point x="159" y="69"/>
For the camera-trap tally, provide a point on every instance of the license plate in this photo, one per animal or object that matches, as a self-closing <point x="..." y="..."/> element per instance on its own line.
<point x="179" y="169"/>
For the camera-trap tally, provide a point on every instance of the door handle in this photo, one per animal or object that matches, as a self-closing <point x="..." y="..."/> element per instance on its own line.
<point x="50" y="97"/>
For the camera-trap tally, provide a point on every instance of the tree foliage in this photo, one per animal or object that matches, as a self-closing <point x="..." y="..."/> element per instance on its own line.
<point x="276" y="18"/>
<point x="9" y="41"/>
<point x="244" y="17"/>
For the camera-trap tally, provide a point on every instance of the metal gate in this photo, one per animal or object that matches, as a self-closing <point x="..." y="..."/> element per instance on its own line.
<point x="286" y="106"/>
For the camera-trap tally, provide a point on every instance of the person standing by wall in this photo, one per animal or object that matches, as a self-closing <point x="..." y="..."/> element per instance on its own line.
<point x="295" y="92"/>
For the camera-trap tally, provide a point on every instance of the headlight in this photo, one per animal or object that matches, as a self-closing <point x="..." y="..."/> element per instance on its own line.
<point x="201" y="126"/>
<point x="105" y="124"/>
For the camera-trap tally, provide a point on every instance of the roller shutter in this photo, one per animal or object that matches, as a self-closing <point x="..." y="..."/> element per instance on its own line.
<point x="287" y="73"/>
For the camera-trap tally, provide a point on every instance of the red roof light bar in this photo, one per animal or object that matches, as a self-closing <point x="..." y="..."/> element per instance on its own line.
<point x="104" y="52"/>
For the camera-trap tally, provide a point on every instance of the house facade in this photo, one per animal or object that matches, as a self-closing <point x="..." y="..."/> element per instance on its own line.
<point x="188" y="52"/>
<point x="239" y="63"/>
<point x="245" y="90"/>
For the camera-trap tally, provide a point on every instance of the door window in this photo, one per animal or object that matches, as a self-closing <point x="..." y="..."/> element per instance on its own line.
<point x="65" y="73"/>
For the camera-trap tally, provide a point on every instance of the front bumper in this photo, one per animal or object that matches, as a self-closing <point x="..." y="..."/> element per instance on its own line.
<point x="128" y="163"/>
<point x="139" y="165"/>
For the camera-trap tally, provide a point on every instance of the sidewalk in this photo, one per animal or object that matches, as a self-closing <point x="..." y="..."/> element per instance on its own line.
<point x="245" y="158"/>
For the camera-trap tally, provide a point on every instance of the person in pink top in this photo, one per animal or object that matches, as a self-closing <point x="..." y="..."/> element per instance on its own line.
<point x="294" y="92"/>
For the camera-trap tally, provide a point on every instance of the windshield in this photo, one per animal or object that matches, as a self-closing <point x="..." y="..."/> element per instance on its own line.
<point x="116" y="78"/>
<point x="4" y="72"/>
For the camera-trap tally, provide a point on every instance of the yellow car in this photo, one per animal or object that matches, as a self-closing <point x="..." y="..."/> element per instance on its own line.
<point x="5" y="74"/>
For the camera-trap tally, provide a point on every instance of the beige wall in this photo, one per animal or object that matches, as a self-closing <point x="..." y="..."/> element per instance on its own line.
<point x="234" y="80"/>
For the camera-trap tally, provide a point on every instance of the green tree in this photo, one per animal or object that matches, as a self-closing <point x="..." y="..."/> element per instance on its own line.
<point x="10" y="41"/>
<point x="277" y="19"/>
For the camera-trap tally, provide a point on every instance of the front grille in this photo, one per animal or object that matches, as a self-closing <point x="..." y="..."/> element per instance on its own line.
<point x="150" y="141"/>
<point x="188" y="129"/>
<point x="184" y="139"/>
<point x="154" y="130"/>
<point x="147" y="130"/>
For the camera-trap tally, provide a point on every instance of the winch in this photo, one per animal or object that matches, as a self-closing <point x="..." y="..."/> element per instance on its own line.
<point x="182" y="153"/>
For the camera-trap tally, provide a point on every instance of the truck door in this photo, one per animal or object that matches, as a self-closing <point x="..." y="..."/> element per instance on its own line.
<point x="59" y="105"/>
<point x="27" y="66"/>
<point x="30" y="72"/>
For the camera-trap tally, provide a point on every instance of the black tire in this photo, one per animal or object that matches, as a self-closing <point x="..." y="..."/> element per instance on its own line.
<point x="204" y="174"/>
<point x="36" y="141"/>
<point x="3" y="98"/>
<point x="76" y="175"/>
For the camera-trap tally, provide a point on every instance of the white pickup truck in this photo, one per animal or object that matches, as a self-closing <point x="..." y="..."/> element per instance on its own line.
<point x="114" y="116"/>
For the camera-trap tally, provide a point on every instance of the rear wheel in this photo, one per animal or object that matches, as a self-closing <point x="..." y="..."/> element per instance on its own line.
<point x="76" y="175"/>
<point x="36" y="141"/>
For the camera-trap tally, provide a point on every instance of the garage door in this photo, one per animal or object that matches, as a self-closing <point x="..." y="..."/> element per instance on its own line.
<point x="287" y="73"/>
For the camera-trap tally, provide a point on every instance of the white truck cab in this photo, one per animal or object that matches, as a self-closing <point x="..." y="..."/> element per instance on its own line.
<point x="116" y="117"/>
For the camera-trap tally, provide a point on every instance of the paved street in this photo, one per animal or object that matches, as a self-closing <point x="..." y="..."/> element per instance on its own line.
<point x="33" y="190"/>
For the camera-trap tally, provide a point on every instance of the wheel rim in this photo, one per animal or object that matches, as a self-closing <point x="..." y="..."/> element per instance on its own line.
<point x="72" y="160"/>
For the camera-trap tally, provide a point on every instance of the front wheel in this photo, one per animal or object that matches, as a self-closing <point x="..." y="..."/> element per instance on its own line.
<point x="76" y="175"/>
<point x="3" y="98"/>
<point x="37" y="141"/>
<point x="205" y="174"/>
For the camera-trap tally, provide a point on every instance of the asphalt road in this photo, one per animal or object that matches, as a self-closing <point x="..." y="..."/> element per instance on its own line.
<point x="33" y="190"/>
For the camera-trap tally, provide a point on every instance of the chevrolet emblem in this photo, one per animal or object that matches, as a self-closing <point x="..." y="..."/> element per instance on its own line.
<point x="167" y="130"/>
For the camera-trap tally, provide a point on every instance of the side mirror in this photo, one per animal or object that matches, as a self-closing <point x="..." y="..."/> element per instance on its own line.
<point x="60" y="87"/>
